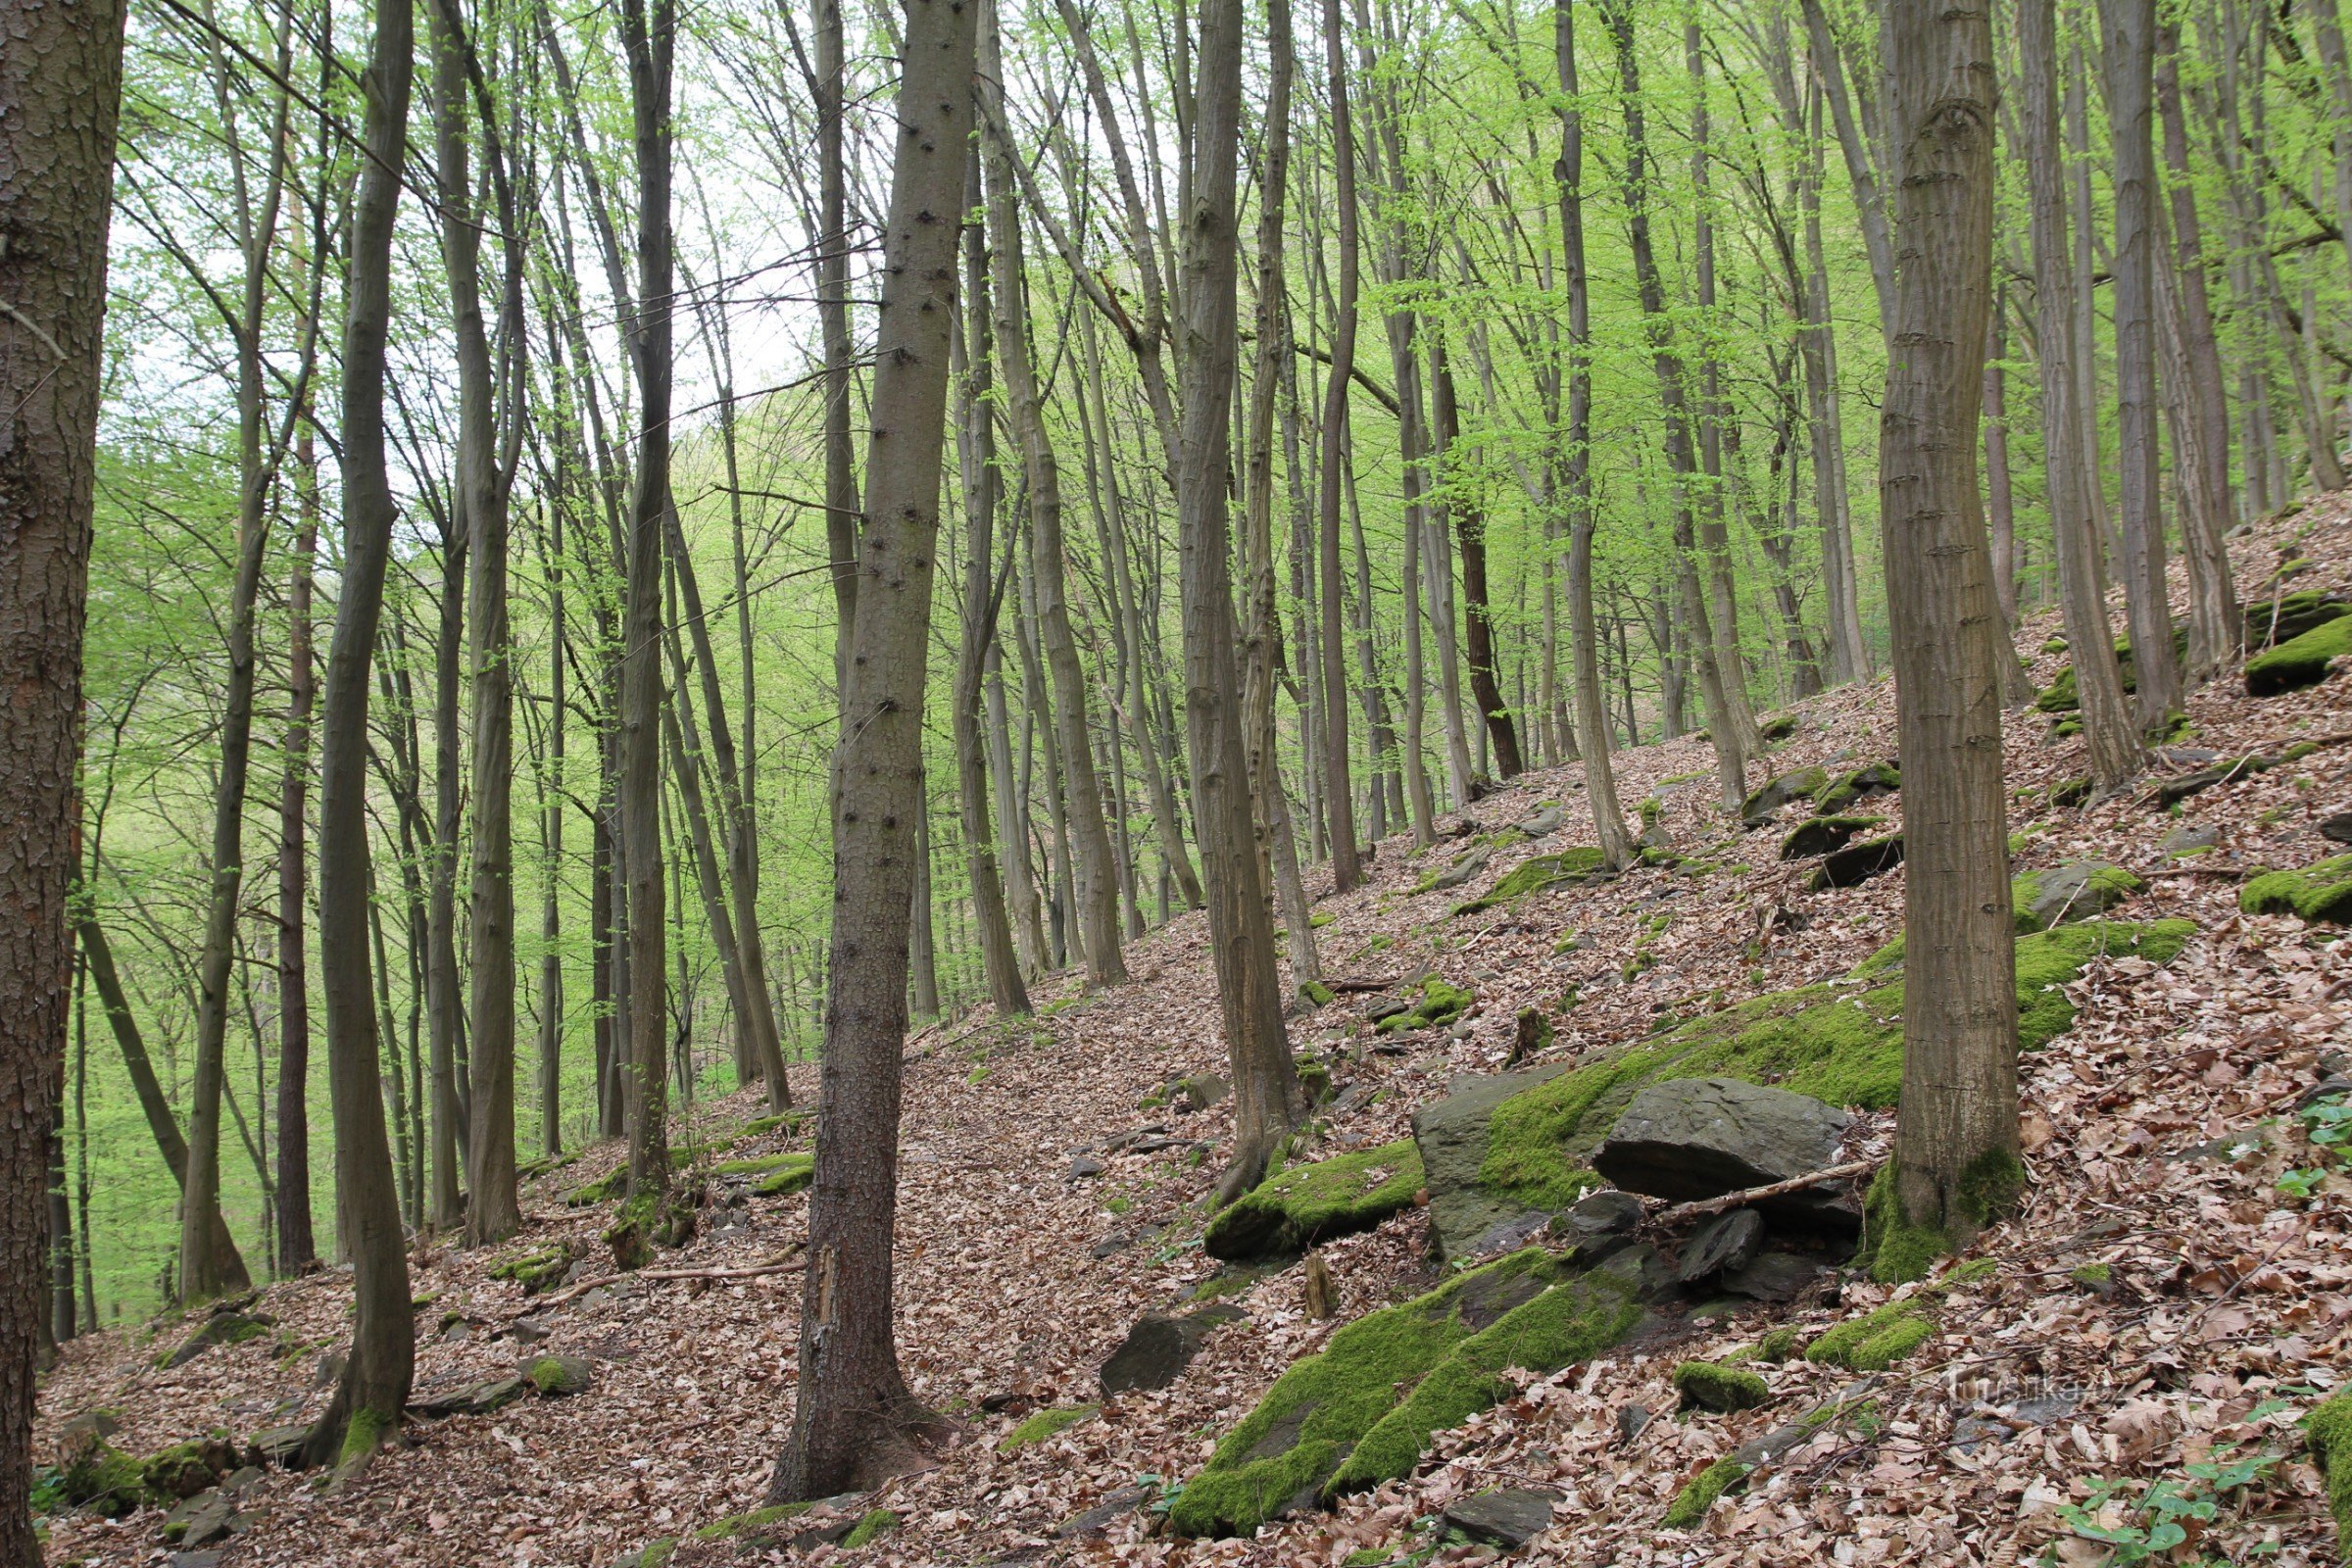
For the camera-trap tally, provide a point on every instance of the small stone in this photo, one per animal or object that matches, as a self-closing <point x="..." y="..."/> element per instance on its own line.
<point x="2338" y="827"/>
<point x="1771" y="1277"/>
<point x="1726" y="1242"/>
<point x="1632" y="1419"/>
<point x="1083" y="1166"/>
<point x="1510" y="1518"/>
<point x="1102" y="1515"/>
<point x="1197" y="1091"/>
<point x="1158" y="1348"/>
<point x="529" y="1329"/>
<point x="1608" y="1212"/>
<point x="2190" y="839"/>
<point x="559" y="1376"/>
<point x="279" y="1446"/>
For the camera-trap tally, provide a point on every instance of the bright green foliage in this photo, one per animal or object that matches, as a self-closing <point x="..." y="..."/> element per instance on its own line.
<point x="2300" y="662"/>
<point x="794" y="1172"/>
<point x="1292" y="1210"/>
<point x="1707" y="1385"/>
<point x="870" y="1528"/>
<point x="1325" y="1409"/>
<point x="2331" y="1431"/>
<point x="1690" y="1505"/>
<point x="1873" y="1342"/>
<point x="1537" y="874"/>
<point x="1441" y="1003"/>
<point x="2317" y="892"/>
<point x="1045" y="1424"/>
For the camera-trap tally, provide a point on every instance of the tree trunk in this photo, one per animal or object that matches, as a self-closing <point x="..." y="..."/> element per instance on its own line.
<point x="1470" y="531"/>
<point x="2108" y="732"/>
<point x="827" y="89"/>
<point x="1849" y="656"/>
<point x="552" y="807"/>
<point x="2130" y="59"/>
<point x="444" y="1012"/>
<point x="854" y="1408"/>
<point x="1955" y="1165"/>
<point x="2017" y="690"/>
<point x="374" y="1386"/>
<point x="1339" y="794"/>
<point x="1266" y="1095"/>
<point x="1829" y="68"/>
<point x="297" y="1248"/>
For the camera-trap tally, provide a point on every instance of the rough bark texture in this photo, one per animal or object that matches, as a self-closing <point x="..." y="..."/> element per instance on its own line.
<point x="1266" y="1097"/>
<point x="375" y="1380"/>
<point x="61" y="86"/>
<point x="853" y="1405"/>
<point x="1339" y="799"/>
<point x="1959" y="1102"/>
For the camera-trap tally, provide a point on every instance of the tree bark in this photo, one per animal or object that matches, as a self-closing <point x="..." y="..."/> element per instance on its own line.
<point x="297" y="1247"/>
<point x="374" y="1387"/>
<point x="1956" y="1135"/>
<point x="852" y="1407"/>
<point x="1339" y="794"/>
<point x="1470" y="531"/>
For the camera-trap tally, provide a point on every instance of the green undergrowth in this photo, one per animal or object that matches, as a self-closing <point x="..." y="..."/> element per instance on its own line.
<point x="1334" y="1421"/>
<point x="2317" y="892"/>
<point x="2299" y="661"/>
<point x="1292" y="1210"/>
<point x="1839" y="1041"/>
<point x="788" y="1175"/>
<point x="1537" y="874"/>
<point x="1046" y="1423"/>
<point x="2330" y="1428"/>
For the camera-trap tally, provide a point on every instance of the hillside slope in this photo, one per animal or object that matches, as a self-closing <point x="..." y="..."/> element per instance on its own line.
<point x="2160" y="1305"/>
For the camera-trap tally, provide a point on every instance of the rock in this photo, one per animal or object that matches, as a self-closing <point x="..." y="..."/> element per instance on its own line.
<point x="193" y="1560"/>
<point x="529" y="1329"/>
<point x="201" y="1520"/>
<point x="277" y="1446"/>
<point x="1451" y="1135"/>
<point x="2299" y="661"/>
<point x="1102" y="1515"/>
<point x="330" y="1370"/>
<point x="83" y="1435"/>
<point x="2338" y="827"/>
<point x="2080" y="890"/>
<point x="1544" y="819"/>
<point x="1771" y="1277"/>
<point x="1510" y="1518"/>
<point x="1464" y="868"/>
<point x="1083" y="1166"/>
<point x="558" y="1376"/>
<point x="1839" y="794"/>
<point x="1759" y="808"/>
<point x="1998" y="1421"/>
<point x="1509" y="1234"/>
<point x="1158" y="1348"/>
<point x="1726" y="1242"/>
<point x="1608" y="1212"/>
<point x="1632" y="1420"/>
<point x="1198" y="1091"/>
<point x="2190" y="839"/>
<point x="222" y="1328"/>
<point x="1531" y="1033"/>
<point x="186" y="1469"/>
<point x="1858" y="863"/>
<point x="1693" y="1138"/>
<point x="2317" y="892"/>
<point x="1822" y="835"/>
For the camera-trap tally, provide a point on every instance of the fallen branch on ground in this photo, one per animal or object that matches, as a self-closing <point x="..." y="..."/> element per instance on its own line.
<point x="1701" y="1207"/>
<point x="775" y="1265"/>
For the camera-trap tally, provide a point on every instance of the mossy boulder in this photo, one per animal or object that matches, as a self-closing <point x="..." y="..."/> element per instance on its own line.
<point x="877" y="1523"/>
<point x="2318" y="893"/>
<point x="1840" y="794"/>
<point x="788" y="1175"/>
<point x="1436" y="1004"/>
<point x="538" y="1269"/>
<point x="1824" y="835"/>
<point x="1304" y="1204"/>
<point x="1539" y="874"/>
<point x="2080" y="890"/>
<point x="1335" y="1422"/>
<point x="1877" y="1341"/>
<point x="2064" y="695"/>
<point x="1724" y="1389"/>
<point x="103" y="1479"/>
<point x="2300" y="662"/>
<point x="185" y="1469"/>
<point x="1772" y="794"/>
<point x="2330" y="1429"/>
<point x="1460" y="870"/>
<point x="1452" y="1136"/>
<point x="1046" y="1424"/>
<point x="222" y="1328"/>
<point x="558" y="1377"/>
<point x="1839" y="1041"/>
<point x="2282" y="620"/>
<point x="1699" y="1494"/>
<point x="1856" y="863"/>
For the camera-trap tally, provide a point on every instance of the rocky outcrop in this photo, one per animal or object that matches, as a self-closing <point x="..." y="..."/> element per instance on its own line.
<point x="2080" y="890"/>
<point x="1824" y="835"/>
<point x="1451" y="1135"/>
<point x="1157" y="1349"/>
<point x="1294" y="1210"/>
<point x="1694" y="1138"/>
<point x="2317" y="892"/>
<point x="1858" y="863"/>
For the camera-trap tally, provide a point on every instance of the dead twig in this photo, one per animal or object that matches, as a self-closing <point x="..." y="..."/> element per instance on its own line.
<point x="775" y="1265"/>
<point x="1701" y="1207"/>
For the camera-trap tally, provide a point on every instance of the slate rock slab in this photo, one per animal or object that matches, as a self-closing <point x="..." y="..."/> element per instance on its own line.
<point x="2080" y="890"/>
<point x="1543" y="821"/>
<point x="1451" y="1135"/>
<point x="1607" y="1212"/>
<point x="1772" y="1277"/>
<point x="1159" y="1347"/>
<point x="1726" y="1242"/>
<point x="1858" y="863"/>
<point x="1102" y="1515"/>
<point x="1693" y="1138"/>
<point x="1510" y="1518"/>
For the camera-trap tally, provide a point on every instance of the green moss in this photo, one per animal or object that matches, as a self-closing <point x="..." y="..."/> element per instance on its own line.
<point x="870" y="1528"/>
<point x="1316" y="993"/>
<point x="1045" y="1424"/>
<point x="790" y="1121"/>
<point x="1314" y="1079"/>
<point x="795" y="1172"/>
<point x="363" y="1435"/>
<point x="104" y="1480"/>
<point x="657" y="1554"/>
<point x="1690" y="1505"/>
<point x="1707" y="1385"/>
<point x="1778" y="1346"/>
<point x="1893" y="1249"/>
<point x="1292" y="1210"/>
<point x="1441" y="1003"/>
<point x="2093" y="1276"/>
<point x="758" y="1165"/>
<point x="1835" y="795"/>
<point x="1873" y="1342"/>
<point x="2290" y="616"/>
<point x="2330" y="1428"/>
<point x="546" y="1374"/>
<point x="2317" y="892"/>
<point x="1788" y="787"/>
<point x="1992" y="1186"/>
<point x="2299" y="661"/>
<point x="1537" y="874"/>
<point x="752" y="1523"/>
<point x="1321" y="1410"/>
<point x="535" y="1270"/>
<point x="2105" y="885"/>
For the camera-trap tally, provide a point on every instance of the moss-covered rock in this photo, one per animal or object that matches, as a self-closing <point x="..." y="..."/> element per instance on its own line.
<point x="2300" y="662"/>
<point x="1334" y="1422"/>
<point x="538" y="1269"/>
<point x="1294" y="1211"/>
<point x="745" y="1526"/>
<point x="2282" y="620"/>
<point x="104" y="1480"/>
<point x="756" y="1165"/>
<point x="1769" y="795"/>
<point x="789" y="1176"/>
<point x="1821" y="835"/>
<point x="1840" y="1042"/>
<point x="559" y="1376"/>
<point x="1698" y="1494"/>
<point x="1539" y="874"/>
<point x="2318" y="893"/>
<point x="1707" y="1386"/>
<point x="1440" y="1004"/>
<point x="877" y="1523"/>
<point x="2330" y="1428"/>
<point x="1877" y="1341"/>
<point x="1840" y="794"/>
<point x="2078" y="891"/>
<point x="1048" y="1423"/>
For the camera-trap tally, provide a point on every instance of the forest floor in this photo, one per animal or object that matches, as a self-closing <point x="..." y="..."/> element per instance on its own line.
<point x="2157" y="1131"/>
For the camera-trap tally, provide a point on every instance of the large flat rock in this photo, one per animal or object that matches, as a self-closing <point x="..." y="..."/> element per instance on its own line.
<point x="1693" y="1138"/>
<point x="1451" y="1135"/>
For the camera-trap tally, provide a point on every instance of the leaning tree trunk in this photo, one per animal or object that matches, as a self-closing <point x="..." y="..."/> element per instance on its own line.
<point x="1266" y="1095"/>
<point x="2113" y="740"/>
<point x="1339" y="799"/>
<point x="374" y="1387"/>
<point x="852" y="1409"/>
<point x="1955" y="1165"/>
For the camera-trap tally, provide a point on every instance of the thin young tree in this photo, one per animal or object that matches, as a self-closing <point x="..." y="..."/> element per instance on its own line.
<point x="853" y="1414"/>
<point x="374" y="1387"/>
<point x="1955" y="1167"/>
<point x="61" y="90"/>
<point x="1339" y="799"/>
